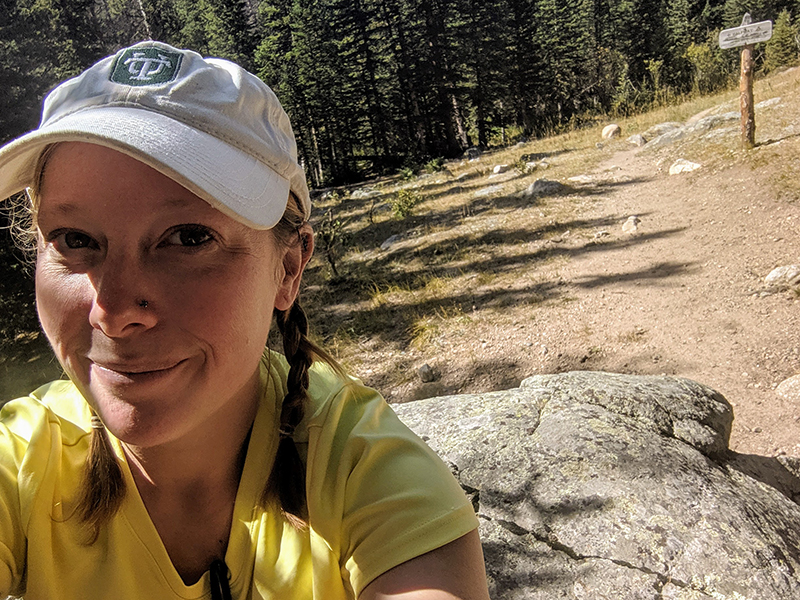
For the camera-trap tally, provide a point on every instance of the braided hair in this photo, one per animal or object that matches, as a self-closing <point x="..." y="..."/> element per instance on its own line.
<point x="286" y="482"/>
<point x="285" y="486"/>
<point x="103" y="486"/>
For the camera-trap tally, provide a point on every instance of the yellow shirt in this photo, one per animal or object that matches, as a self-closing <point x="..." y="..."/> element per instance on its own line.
<point x="377" y="497"/>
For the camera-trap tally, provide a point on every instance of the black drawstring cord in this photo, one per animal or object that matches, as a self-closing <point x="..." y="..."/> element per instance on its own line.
<point x="220" y="589"/>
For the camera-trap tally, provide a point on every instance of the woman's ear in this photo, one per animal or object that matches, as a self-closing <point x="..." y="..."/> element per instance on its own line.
<point x="294" y="263"/>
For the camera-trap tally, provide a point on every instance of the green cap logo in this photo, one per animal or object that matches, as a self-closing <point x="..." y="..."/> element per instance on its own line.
<point x="145" y="66"/>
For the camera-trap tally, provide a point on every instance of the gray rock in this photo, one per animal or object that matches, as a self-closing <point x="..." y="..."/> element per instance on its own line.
<point x="637" y="140"/>
<point x="599" y="485"/>
<point x="426" y="373"/>
<point x="545" y="187"/>
<point x="768" y="103"/>
<point x="500" y="169"/>
<point x="611" y="131"/>
<point x="667" y="133"/>
<point x="703" y="114"/>
<point x="669" y="137"/>
<point x="789" y="388"/>
<point x="712" y="121"/>
<point x="718" y="134"/>
<point x="391" y="241"/>
<point x="364" y="194"/>
<point x="585" y="179"/>
<point x="785" y="276"/>
<point x="660" y="129"/>
<point x="631" y="225"/>
<point x="683" y="166"/>
<point x="488" y="191"/>
<point x="472" y="153"/>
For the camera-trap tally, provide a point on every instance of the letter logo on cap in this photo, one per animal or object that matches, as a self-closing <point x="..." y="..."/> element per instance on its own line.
<point x="145" y="66"/>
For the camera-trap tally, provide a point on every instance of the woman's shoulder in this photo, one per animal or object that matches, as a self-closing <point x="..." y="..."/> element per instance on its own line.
<point x="58" y="403"/>
<point x="342" y="401"/>
<point x="328" y="386"/>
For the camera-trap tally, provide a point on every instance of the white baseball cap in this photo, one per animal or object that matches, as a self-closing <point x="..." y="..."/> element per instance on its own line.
<point x="213" y="127"/>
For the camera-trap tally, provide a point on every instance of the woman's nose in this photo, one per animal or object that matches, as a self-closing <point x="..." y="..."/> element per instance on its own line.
<point x="122" y="305"/>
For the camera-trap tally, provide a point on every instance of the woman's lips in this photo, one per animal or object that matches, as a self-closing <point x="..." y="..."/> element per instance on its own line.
<point x="128" y="373"/>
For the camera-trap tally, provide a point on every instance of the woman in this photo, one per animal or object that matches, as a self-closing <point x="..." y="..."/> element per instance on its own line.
<point x="181" y="460"/>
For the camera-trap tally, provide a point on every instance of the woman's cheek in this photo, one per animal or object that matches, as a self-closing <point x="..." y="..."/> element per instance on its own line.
<point x="63" y="302"/>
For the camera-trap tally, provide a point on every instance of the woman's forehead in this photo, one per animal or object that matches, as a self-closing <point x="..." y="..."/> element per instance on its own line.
<point x="76" y="171"/>
<point x="100" y="187"/>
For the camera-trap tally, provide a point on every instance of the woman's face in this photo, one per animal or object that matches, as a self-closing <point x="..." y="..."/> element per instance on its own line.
<point x="157" y="305"/>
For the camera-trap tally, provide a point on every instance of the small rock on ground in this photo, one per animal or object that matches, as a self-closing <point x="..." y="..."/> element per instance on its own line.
<point x="426" y="373"/>
<point x="637" y="140"/>
<point x="488" y="191"/>
<point x="631" y="225"/>
<point x="785" y="275"/>
<point x="683" y="166"/>
<point x="611" y="131"/>
<point x="789" y="388"/>
<point x="544" y="186"/>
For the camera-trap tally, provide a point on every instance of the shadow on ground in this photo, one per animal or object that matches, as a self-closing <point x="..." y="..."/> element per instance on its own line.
<point x="349" y="302"/>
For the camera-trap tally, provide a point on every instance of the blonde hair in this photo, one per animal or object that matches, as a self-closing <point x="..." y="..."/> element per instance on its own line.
<point x="23" y="208"/>
<point x="103" y="487"/>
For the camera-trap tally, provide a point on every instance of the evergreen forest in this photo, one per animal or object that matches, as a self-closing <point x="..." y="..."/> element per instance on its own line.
<point x="376" y="85"/>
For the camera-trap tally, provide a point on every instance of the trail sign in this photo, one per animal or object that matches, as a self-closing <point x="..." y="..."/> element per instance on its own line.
<point x="745" y="35"/>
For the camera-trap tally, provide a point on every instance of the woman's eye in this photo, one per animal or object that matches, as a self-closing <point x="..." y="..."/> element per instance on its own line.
<point x="189" y="236"/>
<point x="75" y="240"/>
<point x="69" y="239"/>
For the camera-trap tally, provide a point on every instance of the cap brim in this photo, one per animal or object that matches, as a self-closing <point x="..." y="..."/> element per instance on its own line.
<point x="241" y="187"/>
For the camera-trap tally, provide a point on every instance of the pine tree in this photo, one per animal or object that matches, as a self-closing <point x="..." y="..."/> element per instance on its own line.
<point x="678" y="36"/>
<point x="406" y="98"/>
<point x="781" y="49"/>
<point x="29" y="67"/>
<point x="734" y="10"/>
<point x="229" y="30"/>
<point x="161" y="20"/>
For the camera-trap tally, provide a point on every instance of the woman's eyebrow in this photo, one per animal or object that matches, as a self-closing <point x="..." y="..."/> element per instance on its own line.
<point x="60" y="208"/>
<point x="67" y="207"/>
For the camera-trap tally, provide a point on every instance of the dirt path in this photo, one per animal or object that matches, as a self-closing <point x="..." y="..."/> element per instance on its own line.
<point x="683" y="295"/>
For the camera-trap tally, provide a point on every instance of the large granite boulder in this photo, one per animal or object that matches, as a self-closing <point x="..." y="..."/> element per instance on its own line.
<point x="598" y="486"/>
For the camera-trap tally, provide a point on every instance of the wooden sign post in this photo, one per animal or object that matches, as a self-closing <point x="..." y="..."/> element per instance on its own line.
<point x="746" y="35"/>
<point x="748" y="112"/>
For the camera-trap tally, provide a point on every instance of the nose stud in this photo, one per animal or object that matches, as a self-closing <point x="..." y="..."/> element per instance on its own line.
<point x="143" y="303"/>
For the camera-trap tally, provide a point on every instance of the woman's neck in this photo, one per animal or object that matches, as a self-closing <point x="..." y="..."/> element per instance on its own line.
<point x="189" y="488"/>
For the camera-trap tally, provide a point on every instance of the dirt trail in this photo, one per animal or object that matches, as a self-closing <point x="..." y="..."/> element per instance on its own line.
<point x="682" y="296"/>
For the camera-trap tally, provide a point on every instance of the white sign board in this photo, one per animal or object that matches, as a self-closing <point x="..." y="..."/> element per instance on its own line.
<point x="745" y="35"/>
